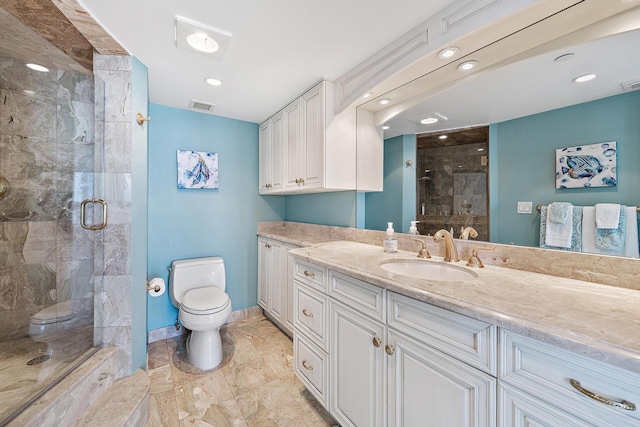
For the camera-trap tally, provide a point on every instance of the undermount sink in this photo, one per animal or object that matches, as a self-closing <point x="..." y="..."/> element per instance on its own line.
<point x="430" y="270"/>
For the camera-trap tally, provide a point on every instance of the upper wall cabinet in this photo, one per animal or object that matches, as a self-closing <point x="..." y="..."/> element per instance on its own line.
<point x="305" y="148"/>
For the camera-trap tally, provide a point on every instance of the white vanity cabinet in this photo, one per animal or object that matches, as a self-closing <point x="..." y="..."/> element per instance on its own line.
<point x="392" y="360"/>
<point x="275" y="281"/>
<point x="314" y="150"/>
<point x="536" y="387"/>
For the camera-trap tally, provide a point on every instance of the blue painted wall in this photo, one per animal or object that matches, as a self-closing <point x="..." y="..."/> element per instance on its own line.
<point x="397" y="202"/>
<point x="338" y="208"/>
<point x="524" y="151"/>
<point x="196" y="223"/>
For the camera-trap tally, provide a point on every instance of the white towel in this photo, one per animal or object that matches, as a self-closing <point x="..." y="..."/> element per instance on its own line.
<point x="589" y="233"/>
<point x="559" y="235"/>
<point x="607" y="215"/>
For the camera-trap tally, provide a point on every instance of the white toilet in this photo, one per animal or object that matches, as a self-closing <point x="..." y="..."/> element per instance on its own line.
<point x="196" y="287"/>
<point x="55" y="318"/>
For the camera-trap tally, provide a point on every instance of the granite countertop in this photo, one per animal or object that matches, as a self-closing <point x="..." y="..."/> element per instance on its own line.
<point x="296" y="237"/>
<point x="599" y="321"/>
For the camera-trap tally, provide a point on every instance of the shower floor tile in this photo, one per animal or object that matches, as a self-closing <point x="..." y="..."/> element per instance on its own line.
<point x="254" y="386"/>
<point x="19" y="382"/>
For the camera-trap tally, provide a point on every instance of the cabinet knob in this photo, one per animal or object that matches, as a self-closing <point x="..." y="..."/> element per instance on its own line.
<point x="306" y="313"/>
<point x="377" y="342"/>
<point x="267" y="245"/>
<point x="389" y="349"/>
<point x="307" y="367"/>
<point x="306" y="273"/>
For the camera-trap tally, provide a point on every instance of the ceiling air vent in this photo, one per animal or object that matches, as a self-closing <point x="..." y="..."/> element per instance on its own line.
<point x="203" y="107"/>
<point x="631" y="85"/>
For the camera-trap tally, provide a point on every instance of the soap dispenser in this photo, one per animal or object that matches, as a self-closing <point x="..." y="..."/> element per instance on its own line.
<point x="413" y="229"/>
<point x="390" y="242"/>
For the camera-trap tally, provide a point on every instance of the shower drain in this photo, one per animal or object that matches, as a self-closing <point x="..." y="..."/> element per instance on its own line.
<point x="39" y="359"/>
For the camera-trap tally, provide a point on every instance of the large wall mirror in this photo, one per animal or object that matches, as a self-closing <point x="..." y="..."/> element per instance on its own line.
<point x="524" y="99"/>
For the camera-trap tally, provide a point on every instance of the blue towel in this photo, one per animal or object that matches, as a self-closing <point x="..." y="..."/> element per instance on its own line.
<point x="559" y="212"/>
<point x="576" y="236"/>
<point x="613" y="238"/>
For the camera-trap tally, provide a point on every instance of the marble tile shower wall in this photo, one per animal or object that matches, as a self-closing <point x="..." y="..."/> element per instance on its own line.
<point x="113" y="270"/>
<point x="46" y="155"/>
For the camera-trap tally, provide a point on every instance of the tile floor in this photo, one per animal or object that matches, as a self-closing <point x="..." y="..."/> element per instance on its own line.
<point x="254" y="386"/>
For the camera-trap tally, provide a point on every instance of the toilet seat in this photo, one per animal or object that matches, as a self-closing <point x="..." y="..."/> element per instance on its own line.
<point x="56" y="313"/>
<point x="202" y="301"/>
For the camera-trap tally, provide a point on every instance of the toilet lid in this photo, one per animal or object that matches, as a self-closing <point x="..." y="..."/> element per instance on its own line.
<point x="56" y="313"/>
<point x="206" y="300"/>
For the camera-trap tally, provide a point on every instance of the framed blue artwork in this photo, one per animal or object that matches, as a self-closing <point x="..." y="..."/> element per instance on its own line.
<point x="197" y="169"/>
<point x="587" y="166"/>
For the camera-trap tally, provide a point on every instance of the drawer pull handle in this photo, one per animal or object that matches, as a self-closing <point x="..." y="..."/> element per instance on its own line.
<point x="389" y="349"/>
<point x="622" y="404"/>
<point x="306" y="313"/>
<point x="306" y="273"/>
<point x="307" y="367"/>
<point x="376" y="342"/>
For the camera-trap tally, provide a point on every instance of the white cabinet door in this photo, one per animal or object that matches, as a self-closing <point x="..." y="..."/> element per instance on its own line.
<point x="429" y="388"/>
<point x="266" y="158"/>
<point x="271" y="154"/>
<point x="313" y="128"/>
<point x="277" y="281"/>
<point x="294" y="146"/>
<point x="277" y="161"/>
<point x="358" y="368"/>
<point x="264" y="271"/>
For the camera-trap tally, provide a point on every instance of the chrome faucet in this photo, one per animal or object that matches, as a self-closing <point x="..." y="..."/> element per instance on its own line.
<point x="451" y="252"/>
<point x="465" y="233"/>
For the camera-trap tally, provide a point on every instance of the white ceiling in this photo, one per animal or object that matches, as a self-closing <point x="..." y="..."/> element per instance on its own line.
<point x="279" y="48"/>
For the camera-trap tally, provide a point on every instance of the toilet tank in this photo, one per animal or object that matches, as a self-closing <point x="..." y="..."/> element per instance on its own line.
<point x="187" y="274"/>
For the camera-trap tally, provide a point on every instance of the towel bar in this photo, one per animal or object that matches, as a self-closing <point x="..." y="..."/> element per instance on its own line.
<point x="539" y="208"/>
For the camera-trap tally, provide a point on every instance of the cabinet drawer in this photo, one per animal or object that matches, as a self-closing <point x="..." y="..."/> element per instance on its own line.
<point x="518" y="409"/>
<point x="467" y="339"/>
<point x="364" y="297"/>
<point x="545" y="371"/>
<point x="311" y="314"/>
<point x="311" y="367"/>
<point x="310" y="274"/>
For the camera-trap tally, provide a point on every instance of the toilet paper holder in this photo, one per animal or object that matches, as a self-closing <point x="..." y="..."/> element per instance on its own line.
<point x="155" y="288"/>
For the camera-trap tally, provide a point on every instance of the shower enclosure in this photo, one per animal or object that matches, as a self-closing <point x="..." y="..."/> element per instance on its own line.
<point x="453" y="181"/>
<point x="51" y="147"/>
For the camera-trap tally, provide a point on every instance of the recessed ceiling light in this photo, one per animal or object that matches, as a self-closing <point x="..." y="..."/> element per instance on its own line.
<point x="384" y="101"/>
<point x="428" y="121"/>
<point x="203" y="43"/>
<point x="442" y="137"/>
<point x="468" y="65"/>
<point x="385" y="127"/>
<point x="448" y="52"/>
<point x="564" y="57"/>
<point x="197" y="37"/>
<point x="480" y="149"/>
<point x="367" y="95"/>
<point x="584" y="78"/>
<point x="213" y="81"/>
<point x="37" y="67"/>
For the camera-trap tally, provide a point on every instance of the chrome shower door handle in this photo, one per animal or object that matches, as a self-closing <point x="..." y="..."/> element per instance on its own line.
<point x="83" y="207"/>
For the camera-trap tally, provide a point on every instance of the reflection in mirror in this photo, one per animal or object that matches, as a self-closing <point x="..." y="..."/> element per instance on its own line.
<point x="531" y="107"/>
<point x="452" y="181"/>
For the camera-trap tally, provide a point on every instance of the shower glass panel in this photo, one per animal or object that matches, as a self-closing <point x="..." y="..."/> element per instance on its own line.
<point x="51" y="147"/>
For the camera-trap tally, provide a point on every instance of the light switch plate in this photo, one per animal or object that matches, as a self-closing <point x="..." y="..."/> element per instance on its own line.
<point x="525" y="207"/>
